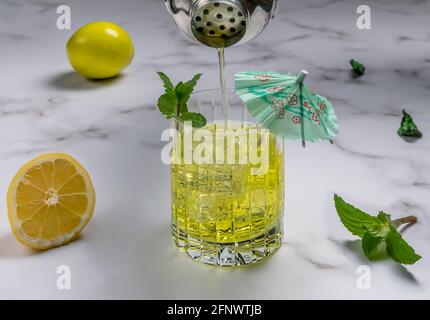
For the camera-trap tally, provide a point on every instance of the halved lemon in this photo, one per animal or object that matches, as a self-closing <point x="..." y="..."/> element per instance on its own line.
<point x="50" y="201"/>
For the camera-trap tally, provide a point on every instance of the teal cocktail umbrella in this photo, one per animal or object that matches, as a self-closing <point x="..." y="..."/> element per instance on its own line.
<point x="286" y="106"/>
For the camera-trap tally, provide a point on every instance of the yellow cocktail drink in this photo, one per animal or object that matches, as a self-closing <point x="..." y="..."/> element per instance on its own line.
<point x="230" y="213"/>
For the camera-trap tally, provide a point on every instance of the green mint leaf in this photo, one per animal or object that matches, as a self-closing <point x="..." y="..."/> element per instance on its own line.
<point x="189" y="86"/>
<point x="399" y="249"/>
<point x="184" y="90"/>
<point x="381" y="227"/>
<point x="197" y="119"/>
<point x="167" y="105"/>
<point x="179" y="88"/>
<point x="379" y="234"/>
<point x="168" y="85"/>
<point x="358" y="68"/>
<point x="180" y="94"/>
<point x="408" y="128"/>
<point x="371" y="245"/>
<point x="174" y="103"/>
<point x="355" y="220"/>
<point x="183" y="106"/>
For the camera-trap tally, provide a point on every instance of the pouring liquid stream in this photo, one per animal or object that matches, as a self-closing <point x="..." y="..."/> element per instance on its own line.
<point x="224" y="102"/>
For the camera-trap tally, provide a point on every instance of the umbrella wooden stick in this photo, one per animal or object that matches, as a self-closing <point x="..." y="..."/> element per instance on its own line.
<point x="300" y="78"/>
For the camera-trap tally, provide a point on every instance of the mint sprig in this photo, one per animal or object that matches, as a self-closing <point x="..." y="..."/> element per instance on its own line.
<point x="174" y="102"/>
<point x="377" y="232"/>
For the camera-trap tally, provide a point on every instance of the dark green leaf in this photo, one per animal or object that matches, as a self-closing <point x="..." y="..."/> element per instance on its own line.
<point x="180" y="91"/>
<point x="197" y="119"/>
<point x="183" y="106"/>
<point x="381" y="227"/>
<point x="192" y="83"/>
<point x="399" y="249"/>
<point x="179" y="88"/>
<point x="184" y="91"/>
<point x="168" y="85"/>
<point x="167" y="104"/>
<point x="355" y="220"/>
<point x="408" y="128"/>
<point x="371" y="245"/>
<point x="358" y="68"/>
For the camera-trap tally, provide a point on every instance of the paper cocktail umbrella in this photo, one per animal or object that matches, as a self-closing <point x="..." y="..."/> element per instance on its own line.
<point x="286" y="106"/>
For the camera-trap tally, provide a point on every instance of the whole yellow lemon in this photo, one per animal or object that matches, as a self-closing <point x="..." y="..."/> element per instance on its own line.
<point x="100" y="50"/>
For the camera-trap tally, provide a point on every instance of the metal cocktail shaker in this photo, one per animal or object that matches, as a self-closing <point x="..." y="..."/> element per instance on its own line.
<point x="222" y="23"/>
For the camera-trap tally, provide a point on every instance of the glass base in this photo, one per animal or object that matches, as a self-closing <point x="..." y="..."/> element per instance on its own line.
<point x="229" y="254"/>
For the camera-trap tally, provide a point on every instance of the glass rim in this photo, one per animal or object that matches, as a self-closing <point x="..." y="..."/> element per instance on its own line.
<point x="229" y="90"/>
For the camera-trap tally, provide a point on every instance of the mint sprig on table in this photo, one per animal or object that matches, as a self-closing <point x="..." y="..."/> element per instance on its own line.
<point x="377" y="232"/>
<point x="174" y="102"/>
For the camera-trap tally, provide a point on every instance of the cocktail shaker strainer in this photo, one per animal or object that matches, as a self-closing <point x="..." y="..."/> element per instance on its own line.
<point x="222" y="23"/>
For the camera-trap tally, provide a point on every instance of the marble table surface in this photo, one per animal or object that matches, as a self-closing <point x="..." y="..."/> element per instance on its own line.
<point x="113" y="128"/>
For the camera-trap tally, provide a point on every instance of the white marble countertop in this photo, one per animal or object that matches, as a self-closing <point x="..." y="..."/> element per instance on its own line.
<point x="114" y="130"/>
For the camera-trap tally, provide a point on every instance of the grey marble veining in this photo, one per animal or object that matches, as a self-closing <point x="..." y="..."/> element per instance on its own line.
<point x="114" y="129"/>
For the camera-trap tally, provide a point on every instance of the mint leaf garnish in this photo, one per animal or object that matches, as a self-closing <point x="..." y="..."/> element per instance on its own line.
<point x="197" y="119"/>
<point x="399" y="249"/>
<point x="371" y="245"/>
<point x="184" y="90"/>
<point x="168" y="85"/>
<point x="408" y="128"/>
<point x="167" y="105"/>
<point x="377" y="232"/>
<point x="174" y="102"/>
<point x="358" y="68"/>
<point x="355" y="220"/>
<point x="381" y="227"/>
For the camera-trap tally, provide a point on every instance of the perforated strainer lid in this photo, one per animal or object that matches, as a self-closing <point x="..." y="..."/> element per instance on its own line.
<point x="219" y="24"/>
